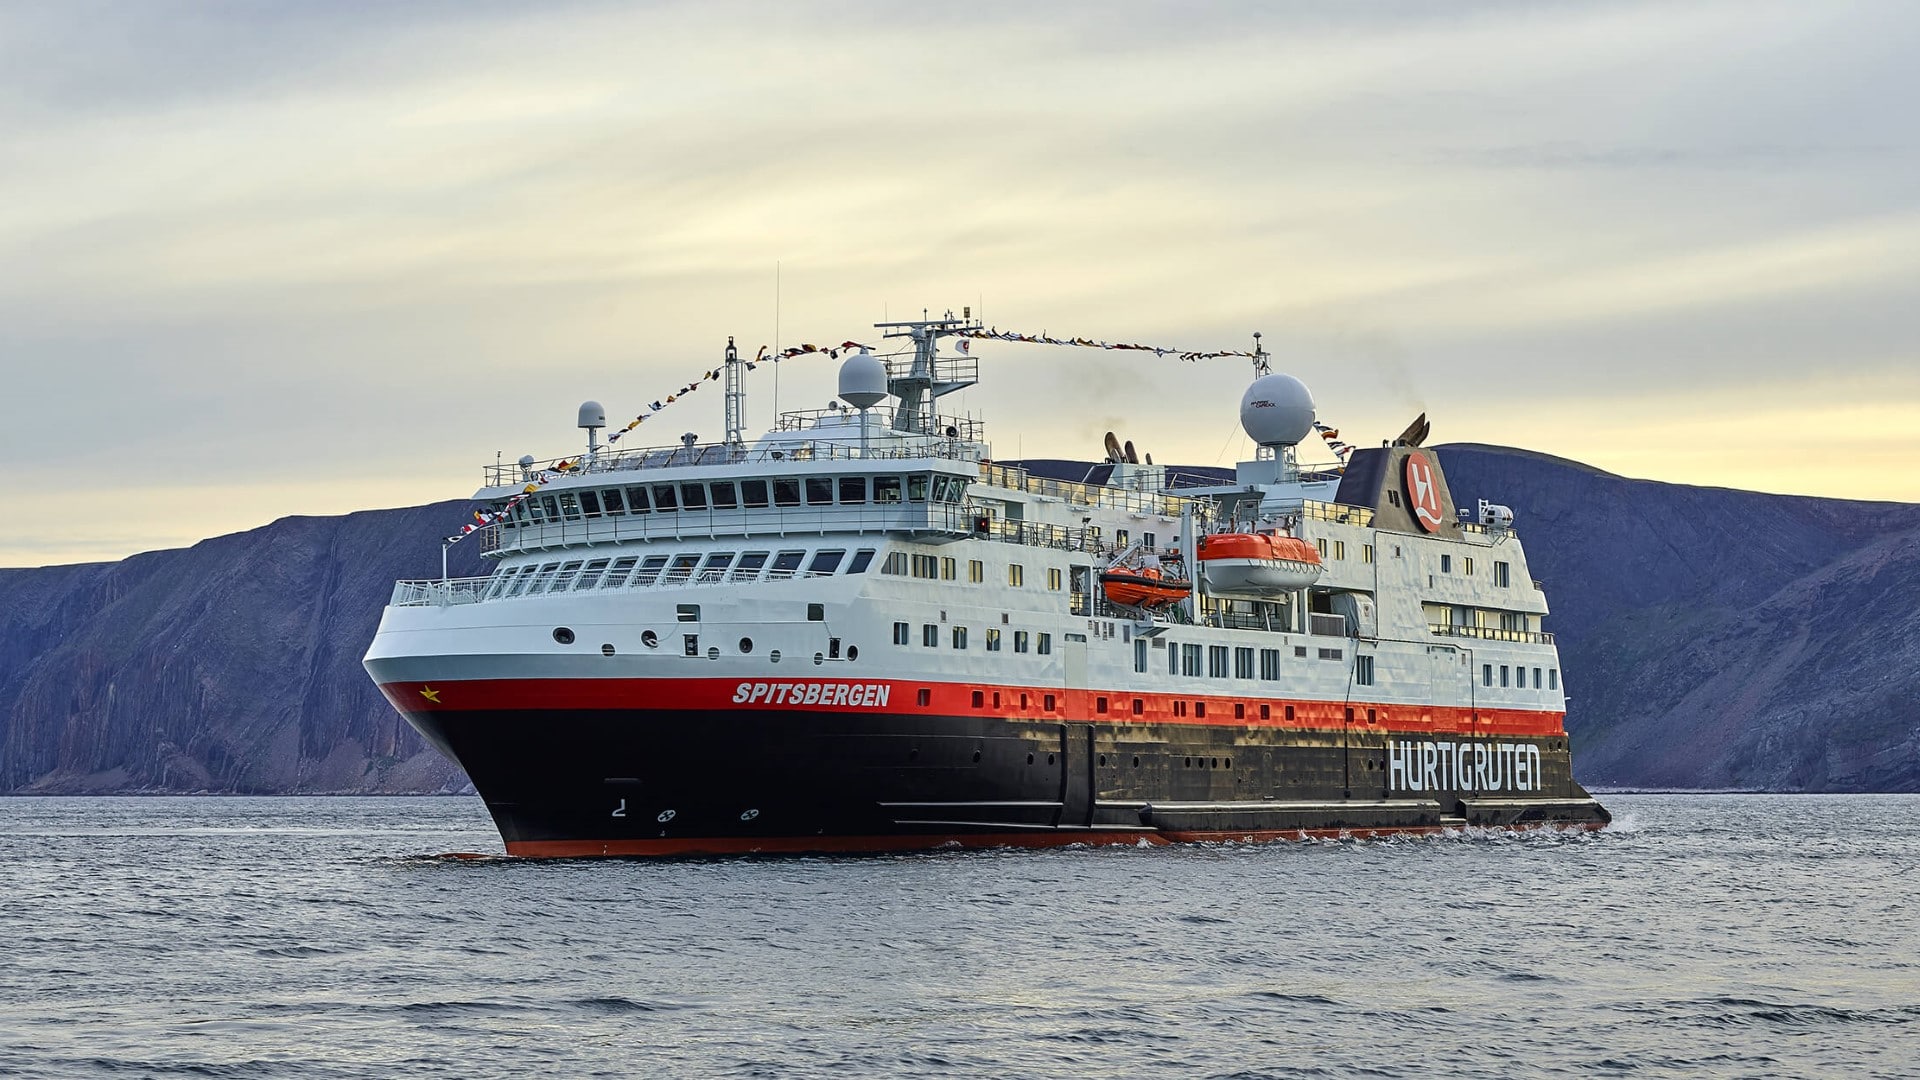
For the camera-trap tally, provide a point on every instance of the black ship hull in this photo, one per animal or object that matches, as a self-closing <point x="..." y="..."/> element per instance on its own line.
<point x="689" y="782"/>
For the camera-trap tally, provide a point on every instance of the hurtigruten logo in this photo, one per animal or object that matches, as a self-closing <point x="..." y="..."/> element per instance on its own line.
<point x="1423" y="492"/>
<point x="1463" y="766"/>
<point x="851" y="695"/>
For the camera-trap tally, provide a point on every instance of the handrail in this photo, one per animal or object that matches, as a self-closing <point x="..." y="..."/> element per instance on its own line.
<point x="607" y="460"/>
<point x="1491" y="633"/>
<point x="436" y="592"/>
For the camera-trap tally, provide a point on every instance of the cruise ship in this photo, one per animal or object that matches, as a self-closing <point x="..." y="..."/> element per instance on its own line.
<point x="860" y="631"/>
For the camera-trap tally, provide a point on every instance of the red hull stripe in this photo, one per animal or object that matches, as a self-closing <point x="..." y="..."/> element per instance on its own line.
<point x="566" y="849"/>
<point x="898" y="697"/>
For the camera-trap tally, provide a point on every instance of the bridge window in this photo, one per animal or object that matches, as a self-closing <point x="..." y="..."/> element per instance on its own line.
<point x="785" y="563"/>
<point x="611" y="500"/>
<point x="826" y="562"/>
<point x="853" y="490"/>
<point x="861" y="559"/>
<point x="917" y="485"/>
<point x="551" y="506"/>
<point x="570" y="506"/>
<point x="637" y="501"/>
<point x="786" y="493"/>
<point x="819" y="491"/>
<point x="886" y="489"/>
<point x="649" y="570"/>
<point x="749" y="566"/>
<point x="590" y="503"/>
<point x="723" y="495"/>
<point x="664" y="498"/>
<point x="753" y="494"/>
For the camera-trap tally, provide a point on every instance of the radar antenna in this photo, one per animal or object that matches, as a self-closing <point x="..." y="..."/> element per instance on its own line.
<point x="1260" y="354"/>
<point x="930" y="377"/>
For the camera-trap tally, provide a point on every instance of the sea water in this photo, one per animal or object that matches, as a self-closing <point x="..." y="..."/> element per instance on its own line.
<point x="1716" y="936"/>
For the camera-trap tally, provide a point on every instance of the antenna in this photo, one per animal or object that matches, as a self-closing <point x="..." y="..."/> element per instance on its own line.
<point x="736" y="397"/>
<point x="1260" y="365"/>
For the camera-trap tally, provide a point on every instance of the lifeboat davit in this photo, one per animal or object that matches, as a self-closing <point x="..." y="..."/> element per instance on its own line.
<point x="1143" y="586"/>
<point x="1256" y="566"/>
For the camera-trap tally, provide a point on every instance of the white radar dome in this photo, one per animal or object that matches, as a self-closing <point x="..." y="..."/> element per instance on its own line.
<point x="592" y="415"/>
<point x="1277" y="410"/>
<point x="863" y="380"/>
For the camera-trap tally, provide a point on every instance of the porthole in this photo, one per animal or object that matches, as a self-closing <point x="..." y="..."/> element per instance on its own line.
<point x="650" y="639"/>
<point x="1103" y="761"/>
<point x="713" y="652"/>
<point x="1136" y="761"/>
<point x="1186" y="763"/>
<point x="563" y="635"/>
<point x="607" y="649"/>
<point x="853" y="652"/>
<point x="774" y="656"/>
<point x="1229" y="763"/>
<point x="1029" y="759"/>
<point x="1049" y="759"/>
<point x="976" y="757"/>
<point x="746" y="644"/>
<point x="819" y="658"/>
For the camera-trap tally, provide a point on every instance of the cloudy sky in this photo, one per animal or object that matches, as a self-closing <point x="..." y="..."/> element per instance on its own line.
<point x="271" y="259"/>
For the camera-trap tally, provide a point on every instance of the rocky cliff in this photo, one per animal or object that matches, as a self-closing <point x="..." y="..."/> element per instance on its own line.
<point x="1710" y="638"/>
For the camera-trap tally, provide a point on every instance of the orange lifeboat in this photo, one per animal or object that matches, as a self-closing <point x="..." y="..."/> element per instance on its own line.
<point x="1256" y="566"/>
<point x="1143" y="587"/>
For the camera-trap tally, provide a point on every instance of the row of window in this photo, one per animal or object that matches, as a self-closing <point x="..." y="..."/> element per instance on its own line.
<point x="1186" y="660"/>
<point x="1519" y="676"/>
<point x="739" y="494"/>
<point x="1023" y="641"/>
<point x="633" y="571"/>
<point x="943" y="568"/>
<point x="1502" y="571"/>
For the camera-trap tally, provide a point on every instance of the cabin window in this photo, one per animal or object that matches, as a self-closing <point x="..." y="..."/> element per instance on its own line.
<point x="979" y="699"/>
<point x="819" y="491"/>
<point x="590" y="503"/>
<point x="1189" y="659"/>
<point x="590" y="578"/>
<point x="1503" y="675"/>
<point x="1019" y="641"/>
<point x="1139" y="706"/>
<point x="785" y="563"/>
<point x="1270" y="664"/>
<point x="664" y="498"/>
<point x="1053" y="578"/>
<point x="1140" y="654"/>
<point x="724" y="497"/>
<point x="1502" y="574"/>
<point x="1300" y="650"/>
<point x="930" y="635"/>
<point x="1016" y="574"/>
<point x="533" y="580"/>
<point x="570" y="506"/>
<point x="1486" y="674"/>
<point x="886" y="489"/>
<point x="1468" y="560"/>
<point x="1340" y="549"/>
<point x="637" y="501"/>
<point x="686" y="612"/>
<point x="1173" y="659"/>
<point x="949" y="569"/>
<point x="1536" y="678"/>
<point x="682" y="568"/>
<point x="753" y="494"/>
<point x="1100" y="705"/>
<point x="1366" y="553"/>
<point x="649" y="571"/>
<point x="1553" y="678"/>
<point x="622" y="567"/>
<point x="853" y="490"/>
<point x="1321" y="543"/>
<point x="715" y="568"/>
<point x="1043" y="644"/>
<point x="959" y="637"/>
<point x="749" y="566"/>
<point x="976" y="571"/>
<point x="900" y="633"/>
<point x="1332" y="654"/>
<point x="1363" y="670"/>
<point x="1216" y="661"/>
<point x="612" y="502"/>
<point x="896" y="563"/>
<point x="786" y="493"/>
<point x="1446" y="564"/>
<point x="1242" y="662"/>
<point x="1179" y="708"/>
<point x="861" y="559"/>
<point x="993" y="639"/>
<point x="826" y="562"/>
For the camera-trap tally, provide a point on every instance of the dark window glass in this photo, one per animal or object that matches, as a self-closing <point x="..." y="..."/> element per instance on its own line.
<point x="819" y="491"/>
<point x="715" y="566"/>
<point x="826" y="562"/>
<point x="749" y="566"/>
<point x="649" y="571"/>
<point x="786" y="493"/>
<point x="610" y="499"/>
<point x="552" y="508"/>
<point x="621" y="568"/>
<point x="693" y="496"/>
<point x="917" y="487"/>
<point x="590" y="502"/>
<point x="664" y="498"/>
<point x="861" y="559"/>
<point x="886" y="489"/>
<point x="753" y="493"/>
<point x="682" y="568"/>
<point x="570" y="506"/>
<point x="785" y="563"/>
<point x="853" y="489"/>
<point x="723" y="497"/>
<point x="637" y="501"/>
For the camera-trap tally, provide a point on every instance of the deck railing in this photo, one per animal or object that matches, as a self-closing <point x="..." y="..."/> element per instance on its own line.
<point x="1491" y="633"/>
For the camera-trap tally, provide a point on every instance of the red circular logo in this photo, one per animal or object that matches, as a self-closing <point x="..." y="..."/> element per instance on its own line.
<point x="1423" y="492"/>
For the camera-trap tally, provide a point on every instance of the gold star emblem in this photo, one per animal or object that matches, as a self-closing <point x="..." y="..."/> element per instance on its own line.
<point x="430" y="694"/>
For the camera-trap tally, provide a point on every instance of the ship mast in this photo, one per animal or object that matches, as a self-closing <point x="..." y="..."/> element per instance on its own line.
<point x="929" y="378"/>
<point x="736" y="397"/>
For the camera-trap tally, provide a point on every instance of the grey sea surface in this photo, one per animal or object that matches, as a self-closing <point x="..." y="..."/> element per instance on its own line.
<point x="1716" y="936"/>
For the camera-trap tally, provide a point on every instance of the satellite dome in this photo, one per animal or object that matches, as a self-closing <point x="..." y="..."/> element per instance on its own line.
<point x="592" y="415"/>
<point x="1277" y="410"/>
<point x="863" y="380"/>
